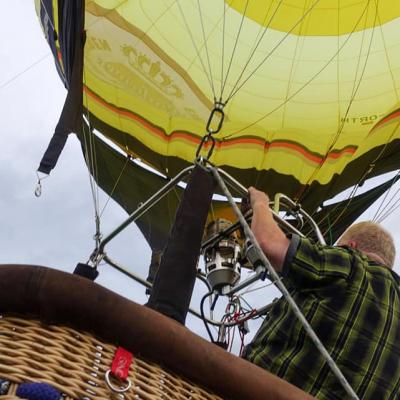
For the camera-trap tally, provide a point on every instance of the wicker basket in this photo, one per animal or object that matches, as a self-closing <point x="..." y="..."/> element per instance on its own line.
<point x="75" y="363"/>
<point x="62" y="329"/>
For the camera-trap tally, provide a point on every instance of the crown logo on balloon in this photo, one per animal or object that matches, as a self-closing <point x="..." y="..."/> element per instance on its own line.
<point x="152" y="70"/>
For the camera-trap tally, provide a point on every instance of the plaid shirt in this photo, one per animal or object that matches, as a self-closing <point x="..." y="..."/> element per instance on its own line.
<point x="353" y="305"/>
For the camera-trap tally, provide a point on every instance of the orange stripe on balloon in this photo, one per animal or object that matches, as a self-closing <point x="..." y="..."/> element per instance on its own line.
<point x="395" y="114"/>
<point x="192" y="138"/>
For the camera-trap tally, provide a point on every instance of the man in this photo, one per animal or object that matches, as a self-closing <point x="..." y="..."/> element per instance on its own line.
<point x="350" y="296"/>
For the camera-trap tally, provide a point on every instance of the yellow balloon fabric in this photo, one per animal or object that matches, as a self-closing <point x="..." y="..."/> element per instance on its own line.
<point x="308" y="86"/>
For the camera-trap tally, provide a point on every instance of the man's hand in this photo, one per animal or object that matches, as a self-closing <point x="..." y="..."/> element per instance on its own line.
<point x="270" y="237"/>
<point x="257" y="197"/>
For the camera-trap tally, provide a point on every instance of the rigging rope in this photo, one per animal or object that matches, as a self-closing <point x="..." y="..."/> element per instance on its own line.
<point x="352" y="97"/>
<point x="391" y="210"/>
<point x="378" y="212"/>
<point x="387" y="57"/>
<point x="255" y="46"/>
<point x="273" y="50"/>
<point x="379" y="217"/>
<point x="209" y="78"/>
<point x="394" y="207"/>
<point x="91" y="162"/>
<point x="235" y="133"/>
<point x="206" y="48"/>
<point x="17" y="75"/>
<point x="362" y="179"/>
<point x="234" y="49"/>
<point x="251" y="290"/>
<point x="115" y="185"/>
<point x="291" y="77"/>
<point x="223" y="46"/>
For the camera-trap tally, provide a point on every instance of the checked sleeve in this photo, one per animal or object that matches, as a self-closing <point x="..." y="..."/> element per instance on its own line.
<point x="309" y="265"/>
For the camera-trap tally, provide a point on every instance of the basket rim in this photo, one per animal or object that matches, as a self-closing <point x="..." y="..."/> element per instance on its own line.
<point x="57" y="297"/>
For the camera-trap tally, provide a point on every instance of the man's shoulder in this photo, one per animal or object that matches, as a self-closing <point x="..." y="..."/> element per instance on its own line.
<point x="306" y="246"/>
<point x="315" y="261"/>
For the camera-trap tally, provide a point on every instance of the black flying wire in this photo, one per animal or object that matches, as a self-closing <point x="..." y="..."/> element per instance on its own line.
<point x="297" y="91"/>
<point x="273" y="50"/>
<point x="209" y="78"/>
<point x="380" y="214"/>
<point x="372" y="165"/>
<point x="206" y="49"/>
<point x="23" y="72"/>
<point x="397" y="126"/>
<point x="393" y="208"/>
<point x="356" y="86"/>
<point x="162" y="14"/>
<point x="255" y="46"/>
<point x="289" y="83"/>
<point x="223" y="46"/>
<point x="234" y="50"/>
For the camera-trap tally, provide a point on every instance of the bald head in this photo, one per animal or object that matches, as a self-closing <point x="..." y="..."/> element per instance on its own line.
<point x="372" y="239"/>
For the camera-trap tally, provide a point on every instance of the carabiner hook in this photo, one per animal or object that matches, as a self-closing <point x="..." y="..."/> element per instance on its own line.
<point x="204" y="140"/>
<point x="216" y="119"/>
<point x="217" y="112"/>
<point x="38" y="187"/>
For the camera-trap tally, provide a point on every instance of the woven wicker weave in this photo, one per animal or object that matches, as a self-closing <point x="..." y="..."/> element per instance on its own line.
<point x="75" y="363"/>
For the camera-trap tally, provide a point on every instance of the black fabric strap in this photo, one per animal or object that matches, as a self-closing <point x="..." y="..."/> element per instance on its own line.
<point x="71" y="115"/>
<point x="173" y="286"/>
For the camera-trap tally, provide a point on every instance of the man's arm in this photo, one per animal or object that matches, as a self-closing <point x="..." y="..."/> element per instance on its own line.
<point x="271" y="238"/>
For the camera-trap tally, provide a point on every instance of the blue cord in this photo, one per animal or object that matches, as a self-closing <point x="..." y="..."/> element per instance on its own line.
<point x="38" y="391"/>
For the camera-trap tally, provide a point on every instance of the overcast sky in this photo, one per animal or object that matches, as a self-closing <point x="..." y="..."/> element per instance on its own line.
<point x="56" y="230"/>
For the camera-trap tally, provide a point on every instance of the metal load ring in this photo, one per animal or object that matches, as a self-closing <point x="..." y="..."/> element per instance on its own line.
<point x="116" y="389"/>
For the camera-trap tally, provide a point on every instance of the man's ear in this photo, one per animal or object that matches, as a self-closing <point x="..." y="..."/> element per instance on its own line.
<point x="352" y="244"/>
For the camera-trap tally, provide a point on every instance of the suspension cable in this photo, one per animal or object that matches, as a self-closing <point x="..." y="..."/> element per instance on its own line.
<point x="115" y="185"/>
<point x="379" y="212"/>
<point x="255" y="46"/>
<point x="234" y="49"/>
<point x="206" y="48"/>
<point x="16" y="76"/>
<point x="362" y="179"/>
<point x="223" y="47"/>
<point x="355" y="89"/>
<point x="235" y="133"/>
<point x="393" y="208"/>
<point x="273" y="50"/>
<point x="209" y="78"/>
